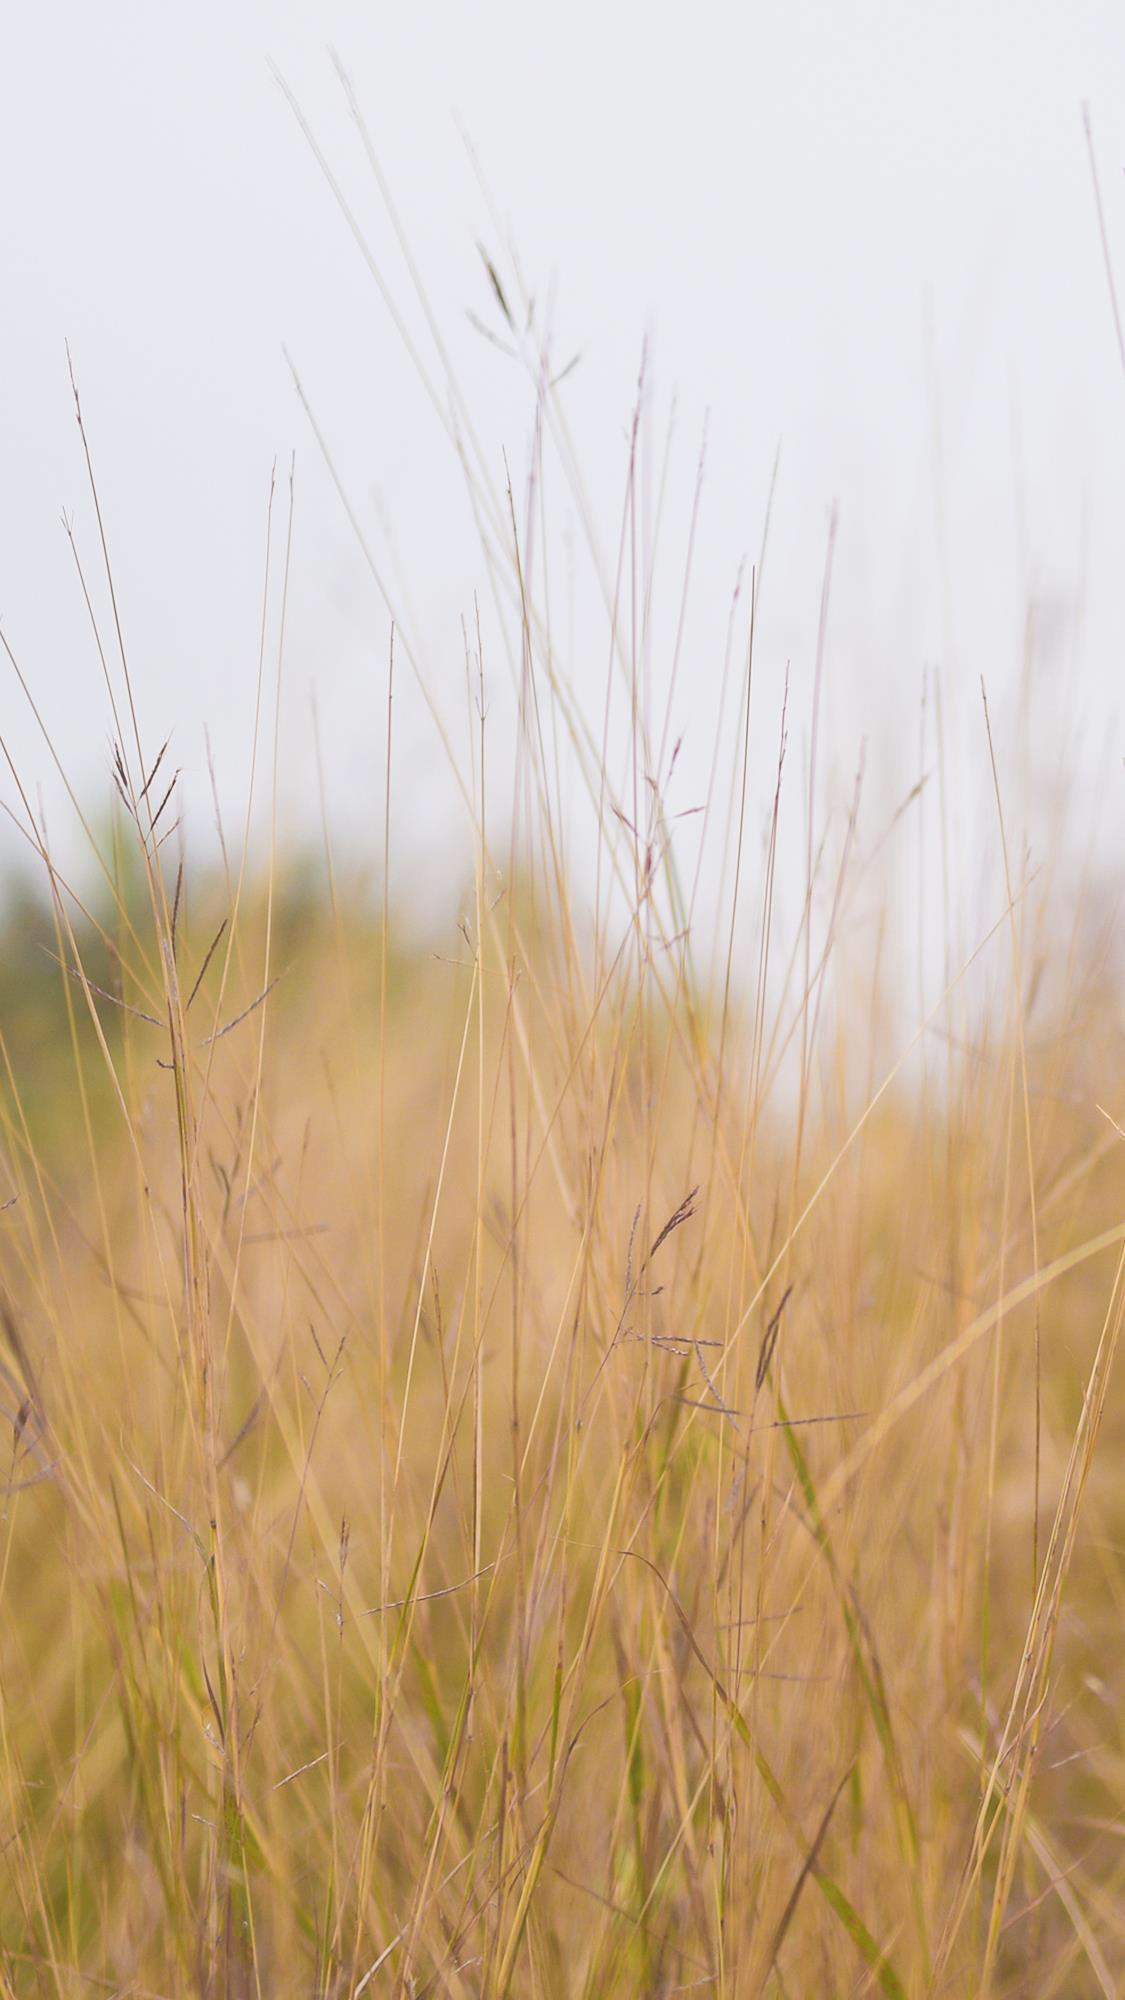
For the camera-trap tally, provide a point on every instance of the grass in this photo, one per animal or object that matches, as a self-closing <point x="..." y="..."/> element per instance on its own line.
<point x="581" y="1461"/>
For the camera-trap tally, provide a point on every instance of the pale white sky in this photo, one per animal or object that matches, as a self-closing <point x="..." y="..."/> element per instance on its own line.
<point x="780" y="197"/>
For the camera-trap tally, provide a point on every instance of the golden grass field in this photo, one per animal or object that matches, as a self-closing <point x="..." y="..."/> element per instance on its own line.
<point x="582" y="1461"/>
<point x="493" y="1507"/>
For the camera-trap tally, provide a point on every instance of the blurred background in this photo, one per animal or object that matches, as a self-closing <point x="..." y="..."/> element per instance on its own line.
<point x="856" y="244"/>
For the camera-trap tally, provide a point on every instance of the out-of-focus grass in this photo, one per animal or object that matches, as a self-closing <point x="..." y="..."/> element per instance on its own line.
<point x="578" y="1462"/>
<point x="484" y="1516"/>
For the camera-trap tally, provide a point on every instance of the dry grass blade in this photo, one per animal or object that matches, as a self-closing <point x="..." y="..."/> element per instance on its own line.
<point x="102" y="992"/>
<point x="228" y="1026"/>
<point x="202" y="973"/>
<point x="769" y="1339"/>
<point x="808" y="1867"/>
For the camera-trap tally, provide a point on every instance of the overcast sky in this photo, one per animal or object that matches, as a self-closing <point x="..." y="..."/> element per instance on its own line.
<point x="863" y="232"/>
